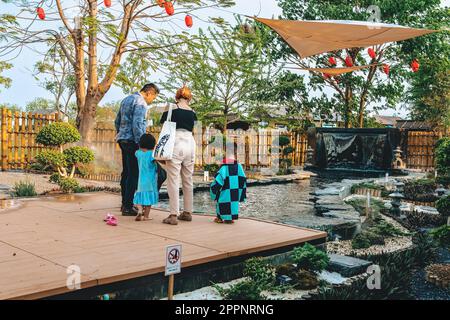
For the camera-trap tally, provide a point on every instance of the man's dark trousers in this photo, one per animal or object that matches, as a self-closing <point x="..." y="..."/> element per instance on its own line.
<point x="130" y="172"/>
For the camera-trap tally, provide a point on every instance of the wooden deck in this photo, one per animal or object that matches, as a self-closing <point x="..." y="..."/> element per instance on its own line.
<point x="42" y="237"/>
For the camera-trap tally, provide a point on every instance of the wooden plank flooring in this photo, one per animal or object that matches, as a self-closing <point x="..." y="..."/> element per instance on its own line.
<point x="42" y="237"/>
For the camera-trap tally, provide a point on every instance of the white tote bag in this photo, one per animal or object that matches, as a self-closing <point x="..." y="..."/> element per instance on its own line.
<point x="166" y="141"/>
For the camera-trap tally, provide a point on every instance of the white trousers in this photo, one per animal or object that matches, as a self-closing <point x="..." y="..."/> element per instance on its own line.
<point x="181" y="167"/>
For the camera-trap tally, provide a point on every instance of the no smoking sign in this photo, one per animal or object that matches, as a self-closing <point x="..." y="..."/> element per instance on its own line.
<point x="173" y="259"/>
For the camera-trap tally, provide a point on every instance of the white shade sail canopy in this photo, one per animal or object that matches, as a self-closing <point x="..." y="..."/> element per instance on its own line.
<point x="309" y="38"/>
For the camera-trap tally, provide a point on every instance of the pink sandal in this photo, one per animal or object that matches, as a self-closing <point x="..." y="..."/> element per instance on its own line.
<point x="112" y="221"/>
<point x="108" y="217"/>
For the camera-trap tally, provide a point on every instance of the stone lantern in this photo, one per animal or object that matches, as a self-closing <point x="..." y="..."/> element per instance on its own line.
<point x="398" y="162"/>
<point x="396" y="203"/>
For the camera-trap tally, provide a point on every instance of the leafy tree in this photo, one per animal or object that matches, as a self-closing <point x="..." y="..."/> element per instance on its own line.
<point x="5" y="81"/>
<point x="353" y="92"/>
<point x="58" y="78"/>
<point x="429" y="94"/>
<point x="41" y="105"/>
<point x="96" y="41"/>
<point x="12" y="107"/>
<point x="220" y="69"/>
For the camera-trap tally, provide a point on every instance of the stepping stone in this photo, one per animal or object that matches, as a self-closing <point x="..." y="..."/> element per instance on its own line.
<point x="321" y="208"/>
<point x="347" y="266"/>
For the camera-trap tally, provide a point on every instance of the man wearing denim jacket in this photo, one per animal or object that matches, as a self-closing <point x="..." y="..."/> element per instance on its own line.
<point x="130" y="125"/>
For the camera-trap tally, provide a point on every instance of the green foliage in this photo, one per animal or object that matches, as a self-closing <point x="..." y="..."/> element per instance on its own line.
<point x="442" y="156"/>
<point x="360" y="204"/>
<point x="57" y="134"/>
<point x="420" y="190"/>
<point x="375" y="234"/>
<point x="69" y="185"/>
<point x="443" y="206"/>
<point x="441" y="235"/>
<point x="5" y="81"/>
<point x="244" y="290"/>
<point x="213" y="168"/>
<point x="284" y="149"/>
<point x="78" y="155"/>
<point x="24" y="189"/>
<point x="396" y="270"/>
<point x="51" y="159"/>
<point x="366" y="185"/>
<point x="41" y="105"/>
<point x="310" y="258"/>
<point x="260" y="271"/>
<point x="305" y="280"/>
<point x="379" y="91"/>
<point x="55" y="178"/>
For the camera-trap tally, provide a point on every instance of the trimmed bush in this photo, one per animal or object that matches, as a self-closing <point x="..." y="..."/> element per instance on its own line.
<point x="244" y="290"/>
<point x="310" y="258"/>
<point x="420" y="190"/>
<point x="69" y="185"/>
<point x="51" y="159"/>
<point x="24" y="189"/>
<point x="78" y="155"/>
<point x="57" y="134"/>
<point x="260" y="271"/>
<point x="442" y="235"/>
<point x="443" y="206"/>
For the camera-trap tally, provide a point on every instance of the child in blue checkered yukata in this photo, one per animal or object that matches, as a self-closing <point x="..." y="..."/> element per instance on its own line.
<point x="229" y="188"/>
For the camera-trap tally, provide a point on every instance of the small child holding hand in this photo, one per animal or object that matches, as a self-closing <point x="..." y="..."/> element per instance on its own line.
<point x="147" y="193"/>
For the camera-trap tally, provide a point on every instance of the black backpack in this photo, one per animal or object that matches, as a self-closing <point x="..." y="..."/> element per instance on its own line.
<point x="162" y="175"/>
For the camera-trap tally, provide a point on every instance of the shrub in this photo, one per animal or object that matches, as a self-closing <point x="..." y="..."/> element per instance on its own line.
<point x="442" y="156"/>
<point x="310" y="258"/>
<point x="55" y="178"/>
<point x="51" y="159"/>
<point x="441" y="235"/>
<point x="420" y="190"/>
<point x="57" y="134"/>
<point x="443" y="206"/>
<point x="305" y="280"/>
<point x="213" y="168"/>
<point x="260" y="271"/>
<point x="24" y="189"/>
<point x="69" y="185"/>
<point x="244" y="290"/>
<point x="375" y="234"/>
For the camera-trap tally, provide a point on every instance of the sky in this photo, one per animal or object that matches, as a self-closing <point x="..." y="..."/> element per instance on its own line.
<point x="25" y="88"/>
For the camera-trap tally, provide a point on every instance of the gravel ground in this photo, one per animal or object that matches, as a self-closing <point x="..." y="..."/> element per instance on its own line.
<point x="422" y="289"/>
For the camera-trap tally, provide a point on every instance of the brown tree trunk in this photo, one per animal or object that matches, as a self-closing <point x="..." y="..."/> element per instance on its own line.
<point x="86" y="120"/>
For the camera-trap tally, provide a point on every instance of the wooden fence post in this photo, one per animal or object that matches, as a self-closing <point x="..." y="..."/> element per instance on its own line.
<point x="4" y="141"/>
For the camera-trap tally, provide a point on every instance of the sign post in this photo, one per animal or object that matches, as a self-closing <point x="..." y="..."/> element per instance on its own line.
<point x="173" y="266"/>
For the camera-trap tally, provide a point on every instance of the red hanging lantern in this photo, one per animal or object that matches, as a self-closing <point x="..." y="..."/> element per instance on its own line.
<point x="349" y="61"/>
<point x="107" y="3"/>
<point x="169" y="8"/>
<point x="415" y="66"/>
<point x="161" y="3"/>
<point x="332" y="61"/>
<point x="41" y="13"/>
<point x="372" y="53"/>
<point x="189" y="21"/>
<point x="326" y="76"/>
<point x="386" y="68"/>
